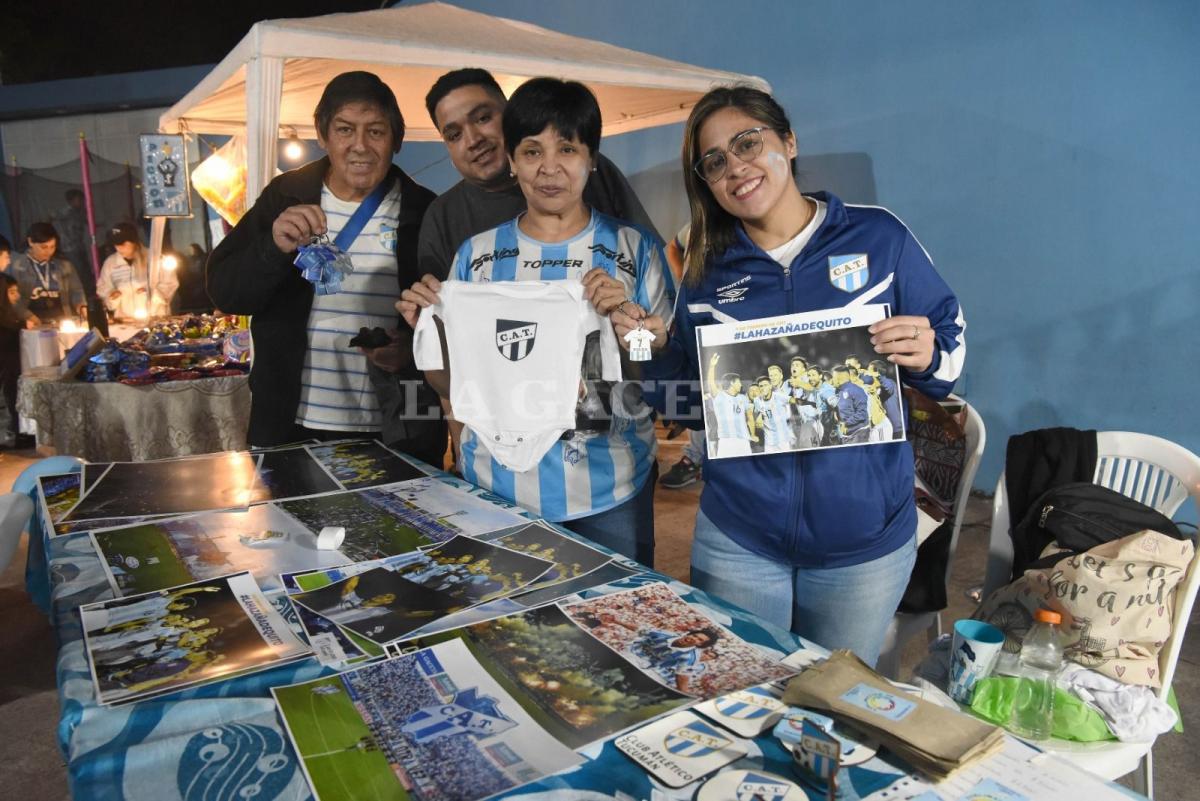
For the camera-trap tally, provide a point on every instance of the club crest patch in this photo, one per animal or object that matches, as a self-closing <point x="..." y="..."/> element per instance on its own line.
<point x="514" y="339"/>
<point x="747" y="704"/>
<point x="849" y="272"/>
<point x="387" y="236"/>
<point x="695" y="740"/>
<point x="756" y="787"/>
<point x="469" y="713"/>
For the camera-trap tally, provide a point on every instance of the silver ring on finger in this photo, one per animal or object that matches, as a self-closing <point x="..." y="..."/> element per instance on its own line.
<point x="916" y="332"/>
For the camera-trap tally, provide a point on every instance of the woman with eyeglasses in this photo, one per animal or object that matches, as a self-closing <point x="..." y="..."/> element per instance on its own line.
<point x="821" y="542"/>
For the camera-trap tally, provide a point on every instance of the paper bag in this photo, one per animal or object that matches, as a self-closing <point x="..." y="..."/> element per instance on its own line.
<point x="931" y="738"/>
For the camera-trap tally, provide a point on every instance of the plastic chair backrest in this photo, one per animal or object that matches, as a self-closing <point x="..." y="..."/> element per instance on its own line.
<point x="976" y="434"/>
<point x="1149" y="469"/>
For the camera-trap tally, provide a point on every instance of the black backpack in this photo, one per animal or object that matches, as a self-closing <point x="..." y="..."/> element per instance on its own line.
<point x="1078" y="517"/>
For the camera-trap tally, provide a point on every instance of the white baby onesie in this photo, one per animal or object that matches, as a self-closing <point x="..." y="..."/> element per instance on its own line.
<point x="515" y="355"/>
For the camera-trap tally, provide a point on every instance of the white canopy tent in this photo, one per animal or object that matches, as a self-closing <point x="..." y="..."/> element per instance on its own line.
<point x="270" y="82"/>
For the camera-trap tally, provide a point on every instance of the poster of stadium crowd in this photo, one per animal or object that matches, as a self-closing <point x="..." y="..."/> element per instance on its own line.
<point x="798" y="382"/>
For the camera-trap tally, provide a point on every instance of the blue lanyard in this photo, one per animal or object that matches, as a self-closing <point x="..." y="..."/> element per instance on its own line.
<point x="358" y="220"/>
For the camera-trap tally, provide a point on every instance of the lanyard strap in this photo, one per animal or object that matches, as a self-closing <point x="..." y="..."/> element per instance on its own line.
<point x="43" y="278"/>
<point x="358" y="220"/>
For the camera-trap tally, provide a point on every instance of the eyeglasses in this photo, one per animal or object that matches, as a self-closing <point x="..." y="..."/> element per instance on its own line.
<point x="746" y="146"/>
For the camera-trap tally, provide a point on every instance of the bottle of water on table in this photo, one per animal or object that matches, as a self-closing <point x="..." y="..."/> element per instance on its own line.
<point x="1038" y="666"/>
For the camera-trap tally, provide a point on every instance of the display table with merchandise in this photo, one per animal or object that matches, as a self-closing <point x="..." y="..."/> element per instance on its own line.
<point x="117" y="422"/>
<point x="228" y="740"/>
<point x="158" y="404"/>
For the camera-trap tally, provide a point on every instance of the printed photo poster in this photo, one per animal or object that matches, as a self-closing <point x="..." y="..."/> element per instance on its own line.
<point x="674" y="643"/>
<point x="379" y="604"/>
<point x="571" y="558"/>
<point x="291" y="473"/>
<point x="473" y="571"/>
<point x="574" y="686"/>
<point x="363" y="463"/>
<point x="605" y="574"/>
<point x="93" y="472"/>
<point x="431" y="725"/>
<point x="160" y="642"/>
<point x="372" y="532"/>
<point x="171" y="487"/>
<point x="442" y="511"/>
<point x="59" y="493"/>
<point x="798" y="382"/>
<point x="263" y="540"/>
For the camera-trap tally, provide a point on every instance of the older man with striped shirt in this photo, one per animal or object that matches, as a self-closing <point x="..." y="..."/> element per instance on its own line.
<point x="307" y="380"/>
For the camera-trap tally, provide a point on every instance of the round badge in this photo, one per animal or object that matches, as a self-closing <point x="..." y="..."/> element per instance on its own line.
<point x="857" y="748"/>
<point x="750" y="784"/>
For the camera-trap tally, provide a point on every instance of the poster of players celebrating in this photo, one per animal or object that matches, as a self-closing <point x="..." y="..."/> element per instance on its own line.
<point x="796" y="383"/>
<point x="160" y="642"/>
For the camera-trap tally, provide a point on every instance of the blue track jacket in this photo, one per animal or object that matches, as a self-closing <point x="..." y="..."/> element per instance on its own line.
<point x="840" y="506"/>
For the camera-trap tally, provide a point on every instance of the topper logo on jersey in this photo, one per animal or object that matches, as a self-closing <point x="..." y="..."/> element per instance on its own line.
<point x="695" y="740"/>
<point x="849" y="273"/>
<point x="514" y="339"/>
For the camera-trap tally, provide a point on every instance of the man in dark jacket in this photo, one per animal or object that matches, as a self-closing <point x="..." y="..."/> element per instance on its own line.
<point x="307" y="380"/>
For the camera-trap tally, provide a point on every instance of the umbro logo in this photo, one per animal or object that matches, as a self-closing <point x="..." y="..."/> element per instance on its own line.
<point x="732" y="293"/>
<point x="514" y="339"/>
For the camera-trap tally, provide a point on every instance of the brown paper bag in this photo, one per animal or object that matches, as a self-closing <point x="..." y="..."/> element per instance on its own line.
<point x="931" y="738"/>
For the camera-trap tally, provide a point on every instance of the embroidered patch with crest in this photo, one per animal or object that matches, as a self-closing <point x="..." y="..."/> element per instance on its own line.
<point x="849" y="272"/>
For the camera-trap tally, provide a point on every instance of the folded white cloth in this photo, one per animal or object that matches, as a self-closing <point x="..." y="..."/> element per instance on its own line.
<point x="1133" y="712"/>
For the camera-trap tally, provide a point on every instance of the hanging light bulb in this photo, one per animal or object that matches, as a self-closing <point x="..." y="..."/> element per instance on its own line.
<point x="294" y="149"/>
<point x="169" y="262"/>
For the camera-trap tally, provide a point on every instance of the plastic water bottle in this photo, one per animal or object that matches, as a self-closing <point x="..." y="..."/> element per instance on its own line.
<point x="1037" y="668"/>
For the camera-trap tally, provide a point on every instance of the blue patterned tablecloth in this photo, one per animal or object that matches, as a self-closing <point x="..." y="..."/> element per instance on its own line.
<point x="225" y="741"/>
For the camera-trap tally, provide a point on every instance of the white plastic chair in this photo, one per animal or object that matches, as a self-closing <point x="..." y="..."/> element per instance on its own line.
<point x="1160" y="474"/>
<point x="15" y="510"/>
<point x="906" y="625"/>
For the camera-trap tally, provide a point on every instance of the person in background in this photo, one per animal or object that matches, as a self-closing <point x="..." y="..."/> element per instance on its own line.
<point x="307" y="380"/>
<point x="48" y="283"/>
<point x="71" y="223"/>
<point x="833" y="563"/>
<point x="12" y="321"/>
<point x="467" y="107"/>
<point x="192" y="297"/>
<point x="5" y="253"/>
<point x="690" y="467"/>
<point x="124" y="283"/>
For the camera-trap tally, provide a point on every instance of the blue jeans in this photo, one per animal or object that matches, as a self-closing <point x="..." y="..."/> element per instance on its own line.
<point x="627" y="528"/>
<point x="839" y="607"/>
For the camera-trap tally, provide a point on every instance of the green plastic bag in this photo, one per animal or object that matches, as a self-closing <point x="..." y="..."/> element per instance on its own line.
<point x="1073" y="719"/>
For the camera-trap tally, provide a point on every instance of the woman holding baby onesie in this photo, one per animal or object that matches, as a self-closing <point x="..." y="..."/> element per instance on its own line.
<point x="598" y="478"/>
<point x="821" y="541"/>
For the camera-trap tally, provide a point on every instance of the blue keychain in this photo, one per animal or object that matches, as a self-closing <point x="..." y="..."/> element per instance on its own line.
<point x="324" y="265"/>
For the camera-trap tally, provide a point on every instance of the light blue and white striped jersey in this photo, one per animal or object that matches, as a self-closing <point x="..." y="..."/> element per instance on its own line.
<point x="335" y="393"/>
<point x="774" y="414"/>
<point x="592" y="471"/>
<point x="730" y="411"/>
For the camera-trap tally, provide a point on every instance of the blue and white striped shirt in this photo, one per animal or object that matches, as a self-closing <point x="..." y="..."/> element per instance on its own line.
<point x="730" y="411"/>
<point x="775" y="418"/>
<point x="592" y="471"/>
<point x="335" y="392"/>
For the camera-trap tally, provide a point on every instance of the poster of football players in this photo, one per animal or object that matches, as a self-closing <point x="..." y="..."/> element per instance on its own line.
<point x="799" y="382"/>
